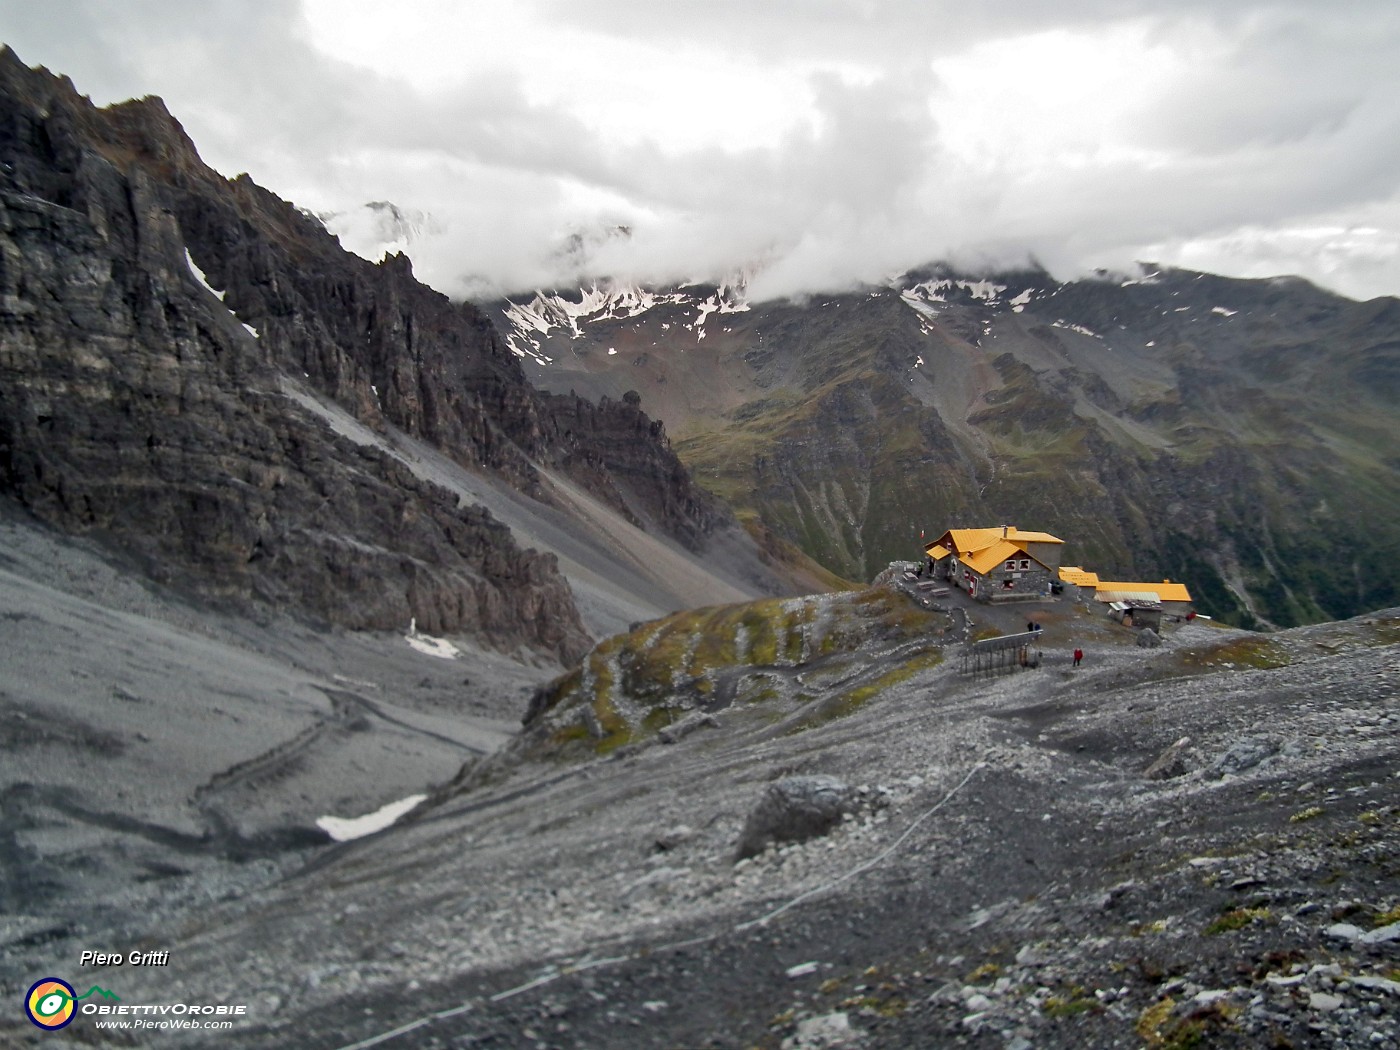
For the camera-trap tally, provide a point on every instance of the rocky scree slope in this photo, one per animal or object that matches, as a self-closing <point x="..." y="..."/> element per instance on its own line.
<point x="1008" y="874"/>
<point x="153" y="314"/>
<point x="1233" y="434"/>
<point x="155" y="752"/>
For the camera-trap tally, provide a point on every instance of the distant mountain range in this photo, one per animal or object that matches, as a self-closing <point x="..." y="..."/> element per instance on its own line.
<point x="1236" y="434"/>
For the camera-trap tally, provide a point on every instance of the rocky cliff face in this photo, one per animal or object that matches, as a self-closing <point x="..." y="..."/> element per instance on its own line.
<point x="149" y="310"/>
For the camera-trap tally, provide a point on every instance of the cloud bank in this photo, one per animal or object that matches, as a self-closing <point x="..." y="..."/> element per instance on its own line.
<point x="825" y="144"/>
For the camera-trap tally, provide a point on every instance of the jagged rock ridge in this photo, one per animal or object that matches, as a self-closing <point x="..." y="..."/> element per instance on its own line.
<point x="153" y="313"/>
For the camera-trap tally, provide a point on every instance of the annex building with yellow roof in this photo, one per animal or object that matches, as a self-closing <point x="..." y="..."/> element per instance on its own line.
<point x="1167" y="598"/>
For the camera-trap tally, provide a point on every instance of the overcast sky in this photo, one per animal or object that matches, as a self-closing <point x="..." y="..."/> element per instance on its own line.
<point x="823" y="143"/>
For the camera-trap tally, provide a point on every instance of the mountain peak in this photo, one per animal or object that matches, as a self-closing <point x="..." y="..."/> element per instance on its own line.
<point x="378" y="228"/>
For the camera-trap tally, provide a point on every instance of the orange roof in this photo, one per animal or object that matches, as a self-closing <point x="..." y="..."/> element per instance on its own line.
<point x="1166" y="591"/>
<point x="1015" y="535"/>
<point x="937" y="551"/>
<point x="966" y="541"/>
<point x="988" y="558"/>
<point x="1079" y="577"/>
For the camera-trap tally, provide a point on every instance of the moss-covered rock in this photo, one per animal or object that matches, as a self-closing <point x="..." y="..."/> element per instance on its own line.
<point x="803" y="661"/>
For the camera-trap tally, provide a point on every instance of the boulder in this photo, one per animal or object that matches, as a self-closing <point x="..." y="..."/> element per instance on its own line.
<point x="1243" y="754"/>
<point x="673" y="838"/>
<point x="795" y="809"/>
<point x="682" y="729"/>
<point x="1170" y="763"/>
<point x="827" y="1032"/>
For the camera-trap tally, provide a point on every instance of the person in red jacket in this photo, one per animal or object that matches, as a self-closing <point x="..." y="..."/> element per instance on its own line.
<point x="1078" y="656"/>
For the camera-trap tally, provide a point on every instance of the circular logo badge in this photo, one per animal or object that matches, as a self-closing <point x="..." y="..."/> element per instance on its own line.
<point x="49" y="1003"/>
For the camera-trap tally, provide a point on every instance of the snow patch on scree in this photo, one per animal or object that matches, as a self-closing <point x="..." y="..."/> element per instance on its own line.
<point x="343" y="829"/>
<point x="430" y="646"/>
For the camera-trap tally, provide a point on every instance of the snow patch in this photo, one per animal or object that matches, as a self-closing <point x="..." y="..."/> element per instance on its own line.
<point x="921" y="307"/>
<point x="343" y="829"/>
<point x="430" y="646"/>
<point x="704" y="310"/>
<point x="198" y="275"/>
<point x="933" y="291"/>
<point x="984" y="290"/>
<point x="920" y="296"/>
<point x="1076" y="328"/>
<point x="1150" y="278"/>
<point x="609" y="301"/>
<point x="1223" y="312"/>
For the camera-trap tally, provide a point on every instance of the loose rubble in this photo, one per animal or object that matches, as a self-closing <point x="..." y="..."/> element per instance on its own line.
<point x="999" y="873"/>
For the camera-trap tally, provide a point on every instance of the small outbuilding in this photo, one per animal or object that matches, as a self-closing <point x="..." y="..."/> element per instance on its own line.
<point x="1174" y="598"/>
<point x="1137" y="612"/>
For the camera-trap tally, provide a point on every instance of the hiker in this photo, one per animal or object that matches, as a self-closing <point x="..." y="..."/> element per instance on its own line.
<point x="1078" y="656"/>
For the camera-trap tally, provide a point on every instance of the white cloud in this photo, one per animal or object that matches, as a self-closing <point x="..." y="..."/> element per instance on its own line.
<point x="834" y="141"/>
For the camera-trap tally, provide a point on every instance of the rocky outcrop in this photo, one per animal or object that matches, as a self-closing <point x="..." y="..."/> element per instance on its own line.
<point x="795" y="809"/>
<point x="620" y="454"/>
<point x="138" y="404"/>
<point x="1170" y="763"/>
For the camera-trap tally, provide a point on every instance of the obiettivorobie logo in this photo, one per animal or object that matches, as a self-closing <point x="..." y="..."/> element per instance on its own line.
<point x="50" y="1003"/>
